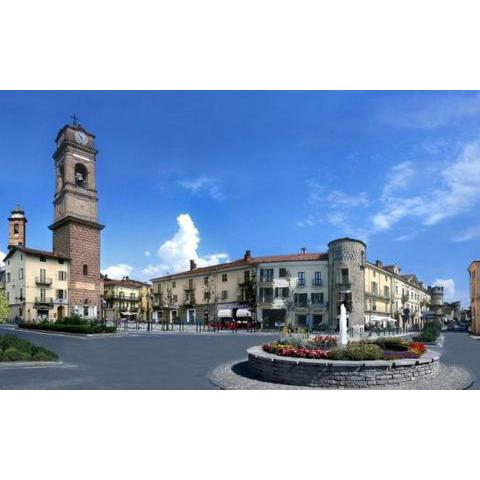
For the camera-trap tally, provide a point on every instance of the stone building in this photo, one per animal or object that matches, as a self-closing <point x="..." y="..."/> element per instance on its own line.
<point x="65" y="281"/>
<point x="474" y="271"/>
<point x="126" y="298"/>
<point x="76" y="230"/>
<point x="303" y="289"/>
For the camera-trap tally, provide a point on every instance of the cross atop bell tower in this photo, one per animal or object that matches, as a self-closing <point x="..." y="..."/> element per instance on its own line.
<point x="76" y="231"/>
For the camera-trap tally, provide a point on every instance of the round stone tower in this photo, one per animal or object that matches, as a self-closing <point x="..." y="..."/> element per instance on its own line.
<point x="346" y="279"/>
<point x="436" y="295"/>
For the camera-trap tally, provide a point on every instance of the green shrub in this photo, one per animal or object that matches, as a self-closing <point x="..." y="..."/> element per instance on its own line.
<point x="357" y="351"/>
<point x="72" y="320"/>
<point x="392" y="344"/>
<point x="7" y="341"/>
<point x="44" y="355"/>
<point x="60" y="327"/>
<point x="14" y="355"/>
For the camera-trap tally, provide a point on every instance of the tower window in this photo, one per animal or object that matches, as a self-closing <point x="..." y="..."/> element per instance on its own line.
<point x="81" y="174"/>
<point x="16" y="228"/>
<point x="85" y="269"/>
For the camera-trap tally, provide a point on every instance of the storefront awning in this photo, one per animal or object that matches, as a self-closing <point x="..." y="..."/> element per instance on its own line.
<point x="225" y="313"/>
<point x="376" y="318"/>
<point x="243" y="312"/>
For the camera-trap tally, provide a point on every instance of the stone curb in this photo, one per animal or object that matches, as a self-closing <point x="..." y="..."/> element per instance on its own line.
<point x="235" y="375"/>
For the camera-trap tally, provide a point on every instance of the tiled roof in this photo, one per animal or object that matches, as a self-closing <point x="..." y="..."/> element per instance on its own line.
<point x="38" y="253"/>
<point x="253" y="261"/>
<point x="130" y="283"/>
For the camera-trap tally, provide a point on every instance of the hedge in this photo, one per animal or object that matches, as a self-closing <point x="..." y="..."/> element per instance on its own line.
<point x="15" y="349"/>
<point x="83" y="329"/>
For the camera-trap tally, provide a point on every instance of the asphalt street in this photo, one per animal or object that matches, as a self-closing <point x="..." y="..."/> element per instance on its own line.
<point x="143" y="361"/>
<point x="165" y="361"/>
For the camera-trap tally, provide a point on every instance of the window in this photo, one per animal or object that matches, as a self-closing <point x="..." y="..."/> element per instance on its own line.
<point x="8" y="277"/>
<point x="317" y="298"/>
<point x="281" y="292"/>
<point x="21" y="294"/>
<point x="16" y="228"/>
<point x="224" y="277"/>
<point x="175" y="298"/>
<point x="386" y="291"/>
<point x="61" y="294"/>
<point x="61" y="261"/>
<point x="62" y="275"/>
<point x="266" y="275"/>
<point x="224" y="294"/>
<point x="374" y="305"/>
<point x="317" y="281"/>
<point x="8" y="296"/>
<point x="206" y="295"/>
<point x="374" y="288"/>
<point x="132" y="296"/>
<point x="20" y="273"/>
<point x="85" y="269"/>
<point x="121" y="295"/>
<point x="85" y="311"/>
<point x="43" y="294"/>
<point x="266" y="295"/>
<point x="205" y="280"/>
<point x="43" y="259"/>
<point x="396" y="289"/>
<point x="300" y="299"/>
<point x="246" y="276"/>
<point x="174" y="284"/>
<point x="343" y="280"/>
<point x="282" y="273"/>
<point x="374" y="274"/>
<point x="301" y="279"/>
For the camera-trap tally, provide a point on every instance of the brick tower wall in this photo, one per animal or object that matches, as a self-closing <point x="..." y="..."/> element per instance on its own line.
<point x="81" y="243"/>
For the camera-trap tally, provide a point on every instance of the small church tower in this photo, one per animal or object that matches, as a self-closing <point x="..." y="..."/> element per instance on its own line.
<point x="17" y="228"/>
<point x="76" y="231"/>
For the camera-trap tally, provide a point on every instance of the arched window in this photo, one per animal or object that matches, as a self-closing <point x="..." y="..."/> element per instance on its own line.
<point x="16" y="228"/>
<point x="85" y="269"/>
<point x="81" y="175"/>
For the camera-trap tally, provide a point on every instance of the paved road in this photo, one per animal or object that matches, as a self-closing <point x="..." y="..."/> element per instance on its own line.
<point x="461" y="349"/>
<point x="143" y="361"/>
<point x="165" y="361"/>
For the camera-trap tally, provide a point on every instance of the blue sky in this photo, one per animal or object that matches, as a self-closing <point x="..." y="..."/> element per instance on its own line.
<point x="210" y="174"/>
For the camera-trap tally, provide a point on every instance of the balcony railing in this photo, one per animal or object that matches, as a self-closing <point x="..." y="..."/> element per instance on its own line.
<point x="122" y="299"/>
<point x="301" y="284"/>
<point x="268" y="280"/>
<point x="43" y="301"/>
<point x="266" y="299"/>
<point x="190" y="301"/>
<point x="317" y="282"/>
<point x="343" y="281"/>
<point x="43" y="280"/>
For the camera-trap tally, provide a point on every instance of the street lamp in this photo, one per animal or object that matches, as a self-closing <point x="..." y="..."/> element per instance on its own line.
<point x="149" y="299"/>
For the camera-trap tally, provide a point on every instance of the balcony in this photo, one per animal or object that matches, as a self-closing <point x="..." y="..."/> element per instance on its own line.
<point x="190" y="300"/>
<point x="61" y="301"/>
<point x="43" y="280"/>
<point x="301" y="284"/>
<point x="190" y="288"/>
<point x="44" y="301"/>
<point x="317" y="282"/>
<point x="343" y="281"/>
<point x="121" y="299"/>
<point x="266" y="281"/>
<point x="266" y="299"/>
<point x="320" y="305"/>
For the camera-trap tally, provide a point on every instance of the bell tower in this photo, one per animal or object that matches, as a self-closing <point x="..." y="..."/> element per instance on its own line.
<point x="76" y="231"/>
<point x="17" y="228"/>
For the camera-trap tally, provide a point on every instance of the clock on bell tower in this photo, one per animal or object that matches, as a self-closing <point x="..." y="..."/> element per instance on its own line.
<point x="76" y="231"/>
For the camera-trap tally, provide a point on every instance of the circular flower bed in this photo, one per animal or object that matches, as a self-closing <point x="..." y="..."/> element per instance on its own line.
<point x="325" y="347"/>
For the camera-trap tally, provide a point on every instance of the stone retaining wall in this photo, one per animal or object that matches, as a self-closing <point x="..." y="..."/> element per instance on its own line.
<point x="340" y="373"/>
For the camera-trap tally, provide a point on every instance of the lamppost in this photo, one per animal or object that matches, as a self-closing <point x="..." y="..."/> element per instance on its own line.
<point x="149" y="323"/>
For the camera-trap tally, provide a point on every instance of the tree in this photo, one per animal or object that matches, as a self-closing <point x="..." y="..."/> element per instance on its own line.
<point x="3" y="307"/>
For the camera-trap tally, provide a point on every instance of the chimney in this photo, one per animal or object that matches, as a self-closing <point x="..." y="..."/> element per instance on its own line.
<point x="193" y="265"/>
<point x="378" y="263"/>
<point x="303" y="250"/>
<point x="248" y="256"/>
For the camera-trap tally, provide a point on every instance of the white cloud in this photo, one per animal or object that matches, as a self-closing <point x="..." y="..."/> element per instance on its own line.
<point x="175" y="254"/>
<point x="2" y="256"/>
<point x="456" y="190"/>
<point x="118" y="271"/>
<point x="340" y="199"/>
<point x="398" y="178"/>
<point x="433" y="113"/>
<point x="203" y="186"/>
<point x="471" y="233"/>
<point x="148" y="253"/>
<point x="448" y="285"/>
